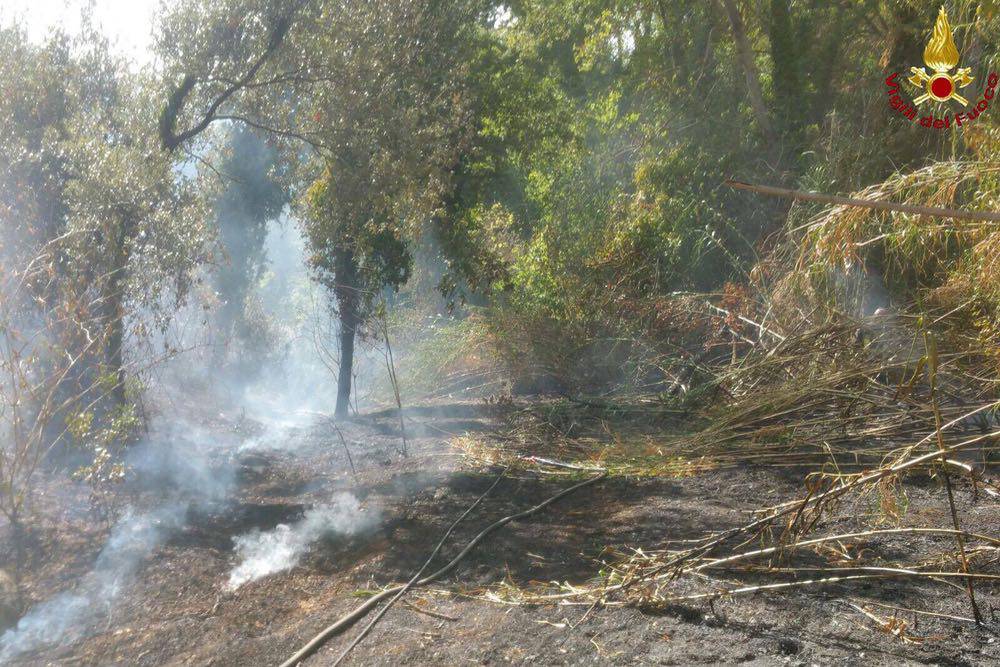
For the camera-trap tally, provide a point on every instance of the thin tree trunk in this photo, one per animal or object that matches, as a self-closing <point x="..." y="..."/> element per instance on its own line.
<point x="785" y="58"/>
<point x="18" y="542"/>
<point x="347" y="293"/>
<point x="347" y="333"/>
<point x="744" y="54"/>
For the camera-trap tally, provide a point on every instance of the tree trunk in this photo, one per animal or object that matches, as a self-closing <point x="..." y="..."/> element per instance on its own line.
<point x="348" y="296"/>
<point x="348" y="328"/>
<point x="785" y="60"/>
<point x="744" y="54"/>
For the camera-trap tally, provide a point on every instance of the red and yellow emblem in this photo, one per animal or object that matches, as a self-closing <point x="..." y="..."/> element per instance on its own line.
<point x="941" y="56"/>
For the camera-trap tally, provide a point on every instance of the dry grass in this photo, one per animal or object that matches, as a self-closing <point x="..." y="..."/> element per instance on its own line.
<point x="805" y="373"/>
<point x="849" y="402"/>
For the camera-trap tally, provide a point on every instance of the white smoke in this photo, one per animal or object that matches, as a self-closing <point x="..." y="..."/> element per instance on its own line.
<point x="184" y="468"/>
<point x="180" y="465"/>
<point x="70" y="615"/>
<point x="188" y="469"/>
<point x="264" y="553"/>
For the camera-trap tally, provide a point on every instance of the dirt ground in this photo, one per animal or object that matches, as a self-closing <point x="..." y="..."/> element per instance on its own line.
<point x="176" y="611"/>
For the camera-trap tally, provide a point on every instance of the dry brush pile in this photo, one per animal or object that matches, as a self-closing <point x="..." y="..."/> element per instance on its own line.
<point x="869" y="387"/>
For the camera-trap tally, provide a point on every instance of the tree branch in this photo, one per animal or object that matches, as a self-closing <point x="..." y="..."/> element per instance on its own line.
<point x="169" y="136"/>
<point x="934" y="211"/>
<point x="281" y="132"/>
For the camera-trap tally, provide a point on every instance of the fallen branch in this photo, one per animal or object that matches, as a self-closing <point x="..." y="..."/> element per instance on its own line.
<point x="837" y="491"/>
<point x="882" y="573"/>
<point x="914" y="209"/>
<point x="428" y="612"/>
<point x="353" y="617"/>
<point x="413" y="579"/>
<point x="837" y="538"/>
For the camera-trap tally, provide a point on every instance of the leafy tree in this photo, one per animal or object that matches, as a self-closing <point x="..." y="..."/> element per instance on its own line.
<point x="374" y="88"/>
<point x="90" y="186"/>
<point x="100" y="241"/>
<point x="138" y="229"/>
<point x="34" y="111"/>
<point x="394" y="125"/>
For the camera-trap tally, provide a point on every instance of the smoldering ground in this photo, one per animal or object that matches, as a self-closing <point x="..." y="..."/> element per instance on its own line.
<point x="178" y="475"/>
<point x="220" y="391"/>
<point x="179" y="467"/>
<point x="70" y="615"/>
<point x="185" y="470"/>
<point x="262" y="553"/>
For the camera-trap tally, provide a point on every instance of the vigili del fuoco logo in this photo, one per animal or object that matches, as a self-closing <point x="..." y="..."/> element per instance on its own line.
<point x="937" y="83"/>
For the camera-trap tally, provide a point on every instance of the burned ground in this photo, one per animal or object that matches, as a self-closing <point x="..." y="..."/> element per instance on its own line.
<point x="176" y="610"/>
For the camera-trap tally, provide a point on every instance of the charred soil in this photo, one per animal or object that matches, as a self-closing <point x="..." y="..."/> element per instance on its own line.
<point x="177" y="609"/>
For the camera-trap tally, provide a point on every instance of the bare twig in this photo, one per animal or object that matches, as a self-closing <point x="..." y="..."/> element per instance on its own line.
<point x="428" y="612"/>
<point x="836" y="200"/>
<point x="347" y="451"/>
<point x="932" y="361"/>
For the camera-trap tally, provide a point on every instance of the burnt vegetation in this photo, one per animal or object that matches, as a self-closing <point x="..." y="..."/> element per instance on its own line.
<point x="556" y="331"/>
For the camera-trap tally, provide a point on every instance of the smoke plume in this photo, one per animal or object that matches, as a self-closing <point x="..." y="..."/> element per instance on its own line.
<point x="264" y="553"/>
<point x="70" y="615"/>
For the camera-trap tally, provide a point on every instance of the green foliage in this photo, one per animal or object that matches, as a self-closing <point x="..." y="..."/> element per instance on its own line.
<point x="103" y="440"/>
<point x="568" y="156"/>
<point x="436" y="355"/>
<point x="89" y="179"/>
<point x="100" y="242"/>
<point x="573" y="201"/>
<point x="594" y="184"/>
<point x="383" y="258"/>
